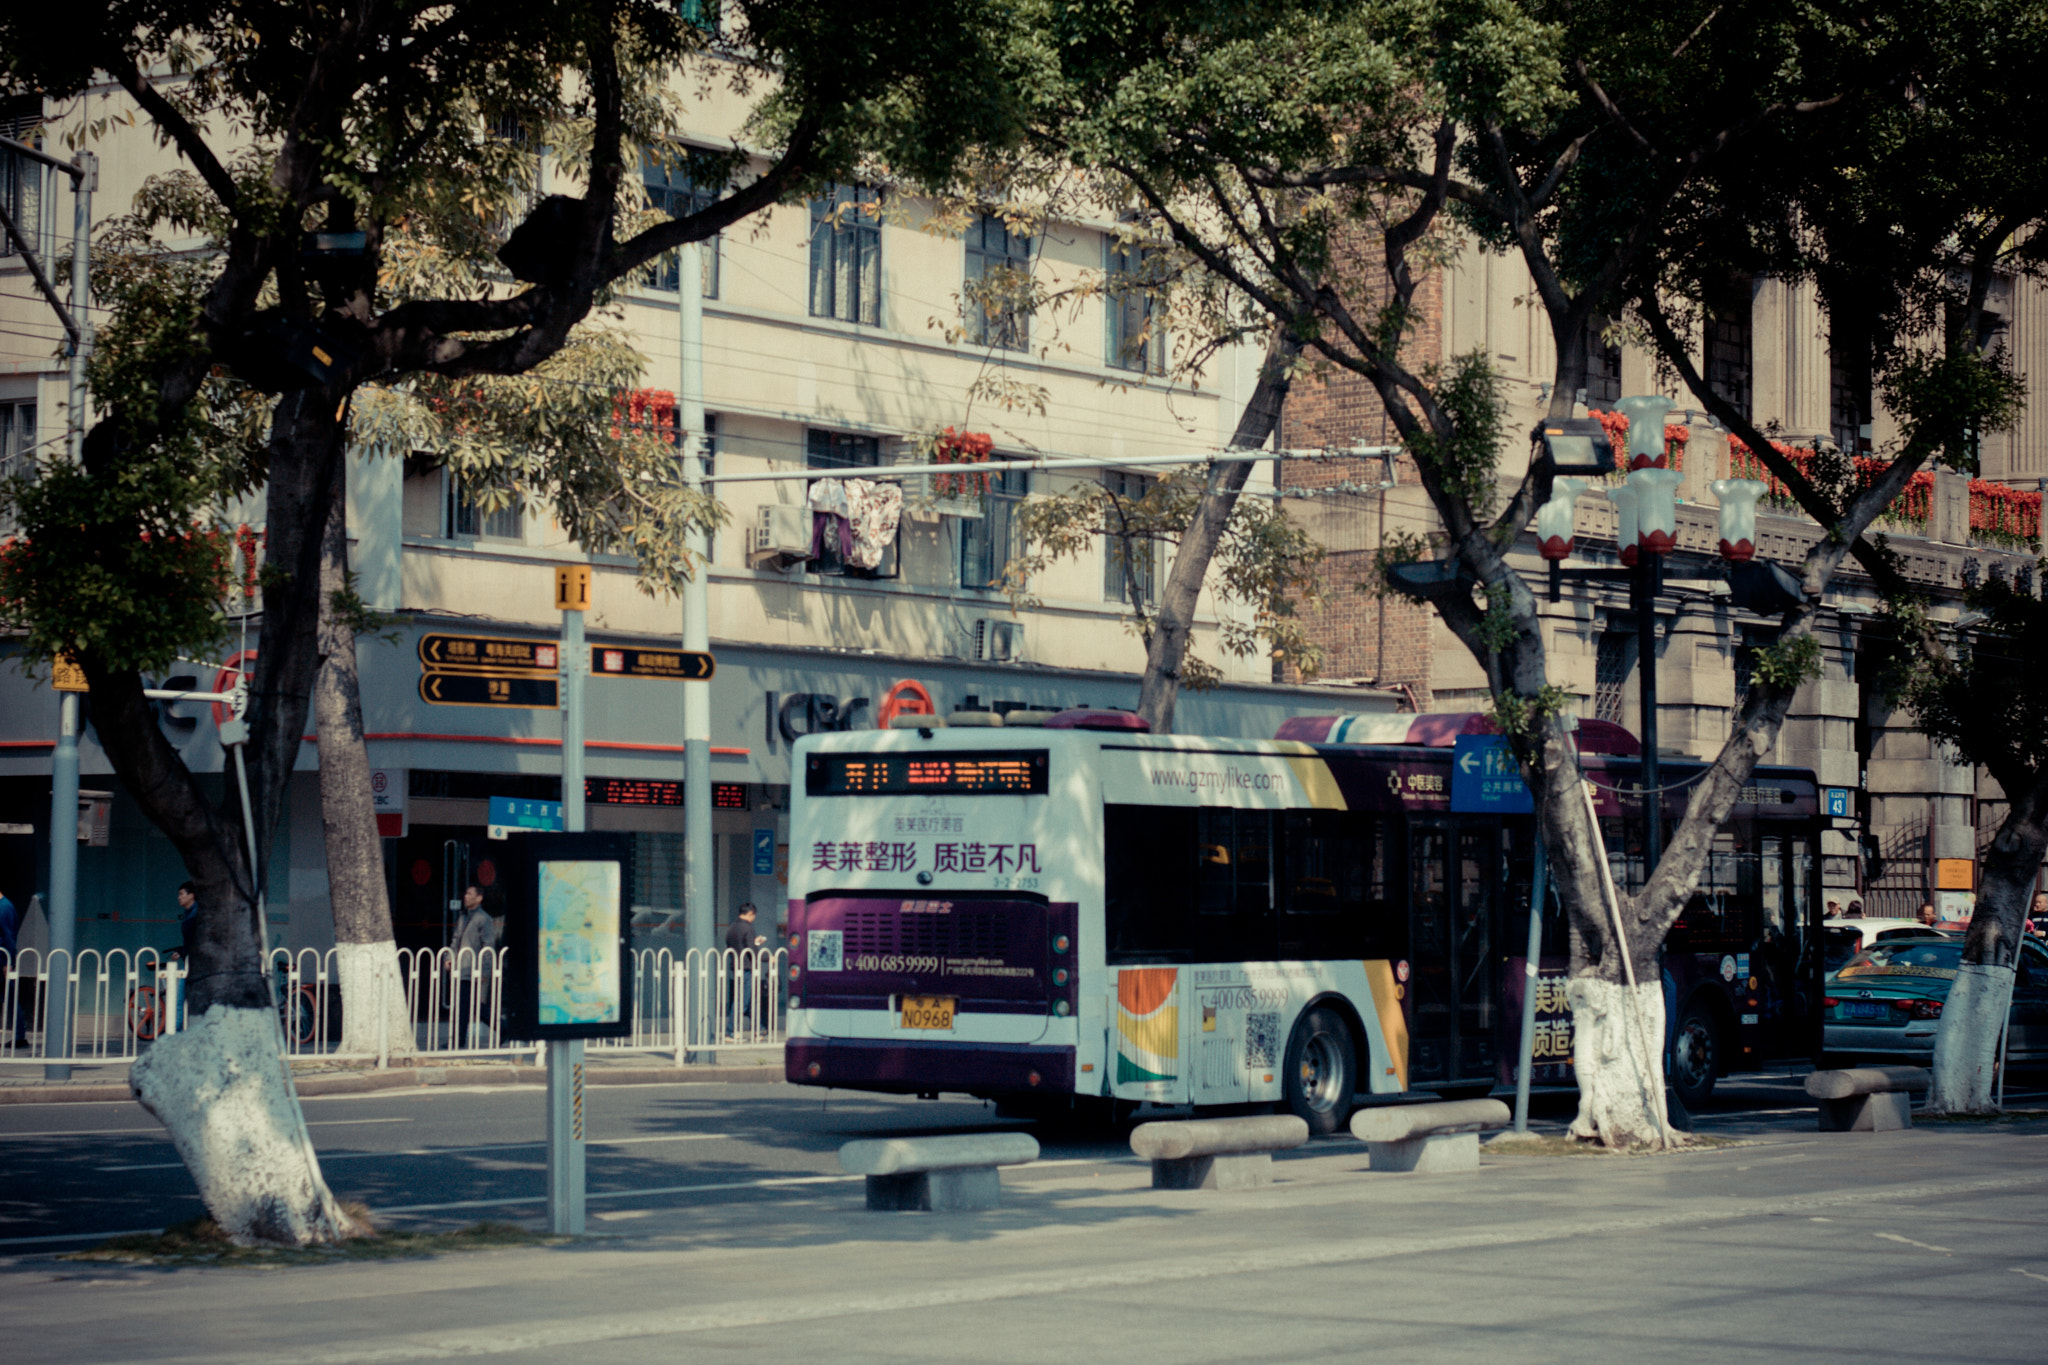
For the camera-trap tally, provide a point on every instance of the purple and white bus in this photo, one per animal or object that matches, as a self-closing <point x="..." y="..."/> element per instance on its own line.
<point x="1070" y="910"/>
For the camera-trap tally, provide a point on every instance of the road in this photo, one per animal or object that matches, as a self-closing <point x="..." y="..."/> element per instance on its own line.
<point x="721" y="1225"/>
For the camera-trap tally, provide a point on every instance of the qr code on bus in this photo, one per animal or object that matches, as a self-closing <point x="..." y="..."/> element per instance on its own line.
<point x="1261" y="1039"/>
<point x="827" y="950"/>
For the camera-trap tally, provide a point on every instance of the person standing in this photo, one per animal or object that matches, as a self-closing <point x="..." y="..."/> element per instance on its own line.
<point x="744" y="944"/>
<point x="482" y="929"/>
<point x="10" y="945"/>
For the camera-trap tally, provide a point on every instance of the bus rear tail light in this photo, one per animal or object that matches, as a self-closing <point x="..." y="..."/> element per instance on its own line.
<point x="1062" y="1008"/>
<point x="814" y="1070"/>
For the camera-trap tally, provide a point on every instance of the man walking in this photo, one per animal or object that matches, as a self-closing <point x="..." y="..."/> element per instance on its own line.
<point x="483" y="928"/>
<point x="744" y="944"/>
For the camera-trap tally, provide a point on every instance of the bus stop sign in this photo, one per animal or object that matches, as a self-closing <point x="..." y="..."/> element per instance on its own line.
<point x="1485" y="779"/>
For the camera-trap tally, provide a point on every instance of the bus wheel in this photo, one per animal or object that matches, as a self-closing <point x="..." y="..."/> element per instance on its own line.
<point x="1695" y="1056"/>
<point x="1322" y="1073"/>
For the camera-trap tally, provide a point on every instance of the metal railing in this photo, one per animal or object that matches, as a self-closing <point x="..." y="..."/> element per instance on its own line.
<point x="452" y="1005"/>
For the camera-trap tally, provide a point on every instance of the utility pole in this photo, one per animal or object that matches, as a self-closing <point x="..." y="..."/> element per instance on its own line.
<point x="63" y="909"/>
<point x="565" y="1055"/>
<point x="698" y="913"/>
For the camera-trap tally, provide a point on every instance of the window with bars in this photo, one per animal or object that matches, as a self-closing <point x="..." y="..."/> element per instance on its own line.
<point x="999" y="262"/>
<point x="1848" y="407"/>
<point x="846" y="255"/>
<point x="1128" y="558"/>
<point x="17" y="448"/>
<point x="986" y="542"/>
<point x="836" y="451"/>
<point x="671" y="191"/>
<point x="1136" y="337"/>
<point x="22" y="180"/>
<point x="1603" y="365"/>
<point x="1727" y="341"/>
<point x="466" y="519"/>
<point x="1613" y="657"/>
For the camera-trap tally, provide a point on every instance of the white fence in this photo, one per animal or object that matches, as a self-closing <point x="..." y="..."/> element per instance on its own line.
<point x="121" y="1001"/>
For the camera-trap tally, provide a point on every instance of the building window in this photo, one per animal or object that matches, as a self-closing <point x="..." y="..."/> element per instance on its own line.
<point x="1137" y="321"/>
<point x="998" y="268"/>
<point x="837" y="450"/>
<point x="1727" y="343"/>
<point x="846" y="255"/>
<point x="670" y="191"/>
<point x="511" y="129"/>
<point x="1848" y="407"/>
<point x="1750" y="641"/>
<point x="986" y="542"/>
<point x="1603" y="366"/>
<point x="1130" y="559"/>
<point x="466" y="519"/>
<point x="17" y="447"/>
<point x="1614" y="654"/>
<point x="22" y="180"/>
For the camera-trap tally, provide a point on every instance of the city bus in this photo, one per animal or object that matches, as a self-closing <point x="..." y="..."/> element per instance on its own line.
<point x="1067" y="911"/>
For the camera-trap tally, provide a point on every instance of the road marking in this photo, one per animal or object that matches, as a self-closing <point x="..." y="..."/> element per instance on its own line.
<point x="78" y="1237"/>
<point x="2030" y="1274"/>
<point x="1894" y="1237"/>
<point x="326" y="1157"/>
<point x="158" y="1134"/>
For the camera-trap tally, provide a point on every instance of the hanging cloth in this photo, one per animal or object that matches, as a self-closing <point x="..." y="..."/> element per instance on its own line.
<point x="873" y="509"/>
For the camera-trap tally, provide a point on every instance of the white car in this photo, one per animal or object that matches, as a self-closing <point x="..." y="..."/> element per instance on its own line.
<point x="1844" y="937"/>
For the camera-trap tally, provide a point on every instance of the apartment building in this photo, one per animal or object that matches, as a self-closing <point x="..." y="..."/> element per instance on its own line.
<point x="833" y="336"/>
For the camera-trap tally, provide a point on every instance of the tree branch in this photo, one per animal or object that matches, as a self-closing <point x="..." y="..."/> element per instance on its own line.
<point x="180" y="131"/>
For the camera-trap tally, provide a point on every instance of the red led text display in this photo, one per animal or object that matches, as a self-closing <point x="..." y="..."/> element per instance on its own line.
<point x="1018" y="773"/>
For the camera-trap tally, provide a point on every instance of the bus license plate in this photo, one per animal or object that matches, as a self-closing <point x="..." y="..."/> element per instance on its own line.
<point x="928" y="1011"/>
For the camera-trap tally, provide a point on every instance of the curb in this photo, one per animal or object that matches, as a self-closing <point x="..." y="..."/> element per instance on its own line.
<point x="418" y="1077"/>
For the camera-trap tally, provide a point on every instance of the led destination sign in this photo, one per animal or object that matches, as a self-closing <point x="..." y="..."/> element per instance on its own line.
<point x="1018" y="773"/>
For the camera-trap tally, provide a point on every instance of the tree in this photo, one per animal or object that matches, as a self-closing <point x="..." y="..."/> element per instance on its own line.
<point x="1903" y="209"/>
<point x="345" y="120"/>
<point x="1318" y="159"/>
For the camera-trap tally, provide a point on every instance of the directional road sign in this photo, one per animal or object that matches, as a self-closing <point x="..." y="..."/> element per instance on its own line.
<point x="1485" y="777"/>
<point x="509" y="813"/>
<point x="489" y="654"/>
<point x="484" y="689"/>
<point x="686" y="665"/>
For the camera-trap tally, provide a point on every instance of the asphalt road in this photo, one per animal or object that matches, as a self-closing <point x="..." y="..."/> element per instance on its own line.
<point x="722" y="1228"/>
<point x="449" y="1157"/>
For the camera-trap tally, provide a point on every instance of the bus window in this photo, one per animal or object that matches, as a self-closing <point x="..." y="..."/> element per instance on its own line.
<point x="1333" y="886"/>
<point x="1149" y="868"/>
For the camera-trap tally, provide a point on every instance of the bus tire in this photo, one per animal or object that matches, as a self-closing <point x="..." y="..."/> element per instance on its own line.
<point x="1696" y="1055"/>
<point x="1322" y="1072"/>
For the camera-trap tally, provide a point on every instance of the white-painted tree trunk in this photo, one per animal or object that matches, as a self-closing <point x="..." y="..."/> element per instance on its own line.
<point x="1966" y="1042"/>
<point x="222" y="1089"/>
<point x="1618" y="1054"/>
<point x="370" y="985"/>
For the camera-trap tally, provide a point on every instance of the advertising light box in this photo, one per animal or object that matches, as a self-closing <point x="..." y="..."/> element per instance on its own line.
<point x="568" y="972"/>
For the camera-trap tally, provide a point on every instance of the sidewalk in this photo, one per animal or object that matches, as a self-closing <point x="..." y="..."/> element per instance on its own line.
<point x="1898" y="1246"/>
<point x="102" y="1081"/>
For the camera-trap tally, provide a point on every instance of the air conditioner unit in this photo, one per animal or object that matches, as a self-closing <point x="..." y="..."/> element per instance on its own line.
<point x="781" y="530"/>
<point x="999" y="642"/>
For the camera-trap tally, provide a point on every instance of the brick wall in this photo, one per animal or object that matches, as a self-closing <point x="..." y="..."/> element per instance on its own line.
<point x="1385" y="641"/>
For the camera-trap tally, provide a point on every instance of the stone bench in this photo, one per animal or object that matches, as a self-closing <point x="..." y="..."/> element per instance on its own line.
<point x="1867" y="1099"/>
<point x="945" y="1174"/>
<point x="1216" y="1154"/>
<point x="1428" y="1138"/>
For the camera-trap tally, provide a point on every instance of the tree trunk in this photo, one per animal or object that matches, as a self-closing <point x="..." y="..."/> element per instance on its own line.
<point x="1973" y="1018"/>
<point x="1173" y="625"/>
<point x="222" y="1087"/>
<point x="374" y="1018"/>
<point x="1617" y="1053"/>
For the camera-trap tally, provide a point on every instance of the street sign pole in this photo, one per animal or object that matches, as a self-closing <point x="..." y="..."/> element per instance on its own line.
<point x="63" y="912"/>
<point x="700" y="930"/>
<point x="565" y="1055"/>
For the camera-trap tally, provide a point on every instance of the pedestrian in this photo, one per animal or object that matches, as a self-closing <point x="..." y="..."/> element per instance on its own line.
<point x="188" y="921"/>
<point x="481" y="931"/>
<point x="10" y="946"/>
<point x="2037" y="918"/>
<point x="1855" y="910"/>
<point x="1928" y="914"/>
<point x="744" y="944"/>
<point x="1834" y="910"/>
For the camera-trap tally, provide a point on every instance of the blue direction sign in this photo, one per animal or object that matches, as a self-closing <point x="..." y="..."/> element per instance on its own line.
<point x="1838" y="800"/>
<point x="1485" y="778"/>
<point x="764" y="853"/>
<point x="510" y="813"/>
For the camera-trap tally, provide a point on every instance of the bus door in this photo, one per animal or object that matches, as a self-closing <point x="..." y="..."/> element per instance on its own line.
<point x="1453" y="985"/>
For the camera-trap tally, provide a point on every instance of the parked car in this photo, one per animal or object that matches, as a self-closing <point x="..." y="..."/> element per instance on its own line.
<point x="1842" y="939"/>
<point x="1885" y="1003"/>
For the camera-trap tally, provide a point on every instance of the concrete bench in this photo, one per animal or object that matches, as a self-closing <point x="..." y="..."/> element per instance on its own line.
<point x="937" y="1174"/>
<point x="1216" y="1154"/>
<point x="1428" y="1138"/>
<point x="1867" y="1099"/>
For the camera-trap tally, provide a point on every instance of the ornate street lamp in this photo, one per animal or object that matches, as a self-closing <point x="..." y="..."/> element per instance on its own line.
<point x="1738" y="516"/>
